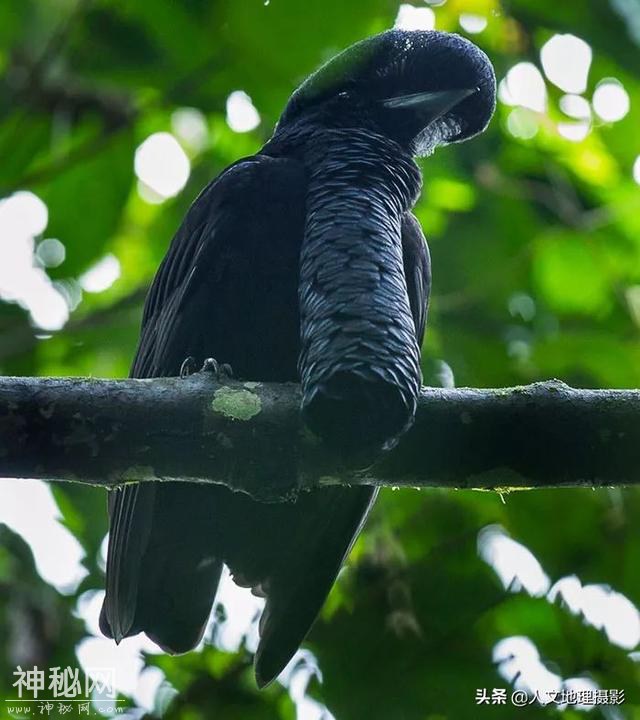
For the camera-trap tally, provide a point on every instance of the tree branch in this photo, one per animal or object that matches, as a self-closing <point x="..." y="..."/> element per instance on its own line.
<point x="249" y="436"/>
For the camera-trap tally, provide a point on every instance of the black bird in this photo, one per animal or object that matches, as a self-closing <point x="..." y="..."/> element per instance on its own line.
<point x="302" y="262"/>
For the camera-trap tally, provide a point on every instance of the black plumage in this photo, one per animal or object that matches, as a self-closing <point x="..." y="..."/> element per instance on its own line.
<point x="302" y="262"/>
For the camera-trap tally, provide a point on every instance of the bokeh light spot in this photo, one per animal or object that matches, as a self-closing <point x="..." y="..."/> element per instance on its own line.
<point x="524" y="86"/>
<point x="610" y="100"/>
<point x="566" y="60"/>
<point x="242" y="116"/>
<point x="575" y="106"/>
<point x="471" y="23"/>
<point x="162" y="165"/>
<point x="576" y="132"/>
<point x="51" y="252"/>
<point x="102" y="275"/>
<point x="413" y="18"/>
<point x="190" y="125"/>
<point x="521" y="123"/>
<point x="23" y="216"/>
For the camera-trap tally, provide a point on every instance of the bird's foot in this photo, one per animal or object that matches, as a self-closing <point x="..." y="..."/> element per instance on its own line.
<point x="222" y="371"/>
<point x="188" y="367"/>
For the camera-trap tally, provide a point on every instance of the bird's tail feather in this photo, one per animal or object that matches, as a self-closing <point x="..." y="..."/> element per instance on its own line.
<point x="131" y="514"/>
<point x="161" y="573"/>
<point x="166" y="551"/>
<point x="299" y="584"/>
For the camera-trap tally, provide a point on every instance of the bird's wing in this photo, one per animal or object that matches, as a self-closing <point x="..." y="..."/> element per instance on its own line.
<point x="417" y="270"/>
<point x="156" y="547"/>
<point x="199" y="254"/>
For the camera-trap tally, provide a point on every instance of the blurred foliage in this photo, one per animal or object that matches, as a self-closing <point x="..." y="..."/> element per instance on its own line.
<point x="536" y="256"/>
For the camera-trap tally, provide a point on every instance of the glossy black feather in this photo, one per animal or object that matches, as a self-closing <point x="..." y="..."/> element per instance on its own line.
<point x="218" y="273"/>
<point x="360" y="357"/>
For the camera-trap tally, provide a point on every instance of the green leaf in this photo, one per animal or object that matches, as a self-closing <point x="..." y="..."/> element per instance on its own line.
<point x="569" y="275"/>
<point x="87" y="198"/>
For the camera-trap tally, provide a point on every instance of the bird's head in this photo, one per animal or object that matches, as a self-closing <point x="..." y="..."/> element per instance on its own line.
<point x="419" y="88"/>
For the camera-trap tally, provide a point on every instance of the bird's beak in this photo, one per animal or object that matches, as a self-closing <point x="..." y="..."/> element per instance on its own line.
<point x="429" y="105"/>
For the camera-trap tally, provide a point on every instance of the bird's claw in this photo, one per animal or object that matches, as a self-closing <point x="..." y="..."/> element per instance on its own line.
<point x="210" y="365"/>
<point x="222" y="371"/>
<point x="226" y="371"/>
<point x="188" y="366"/>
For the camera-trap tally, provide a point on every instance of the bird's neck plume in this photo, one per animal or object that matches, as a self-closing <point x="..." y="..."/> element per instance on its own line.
<point x="360" y="360"/>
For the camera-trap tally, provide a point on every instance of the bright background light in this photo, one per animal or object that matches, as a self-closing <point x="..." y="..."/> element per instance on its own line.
<point x="23" y="214"/>
<point x="610" y="100"/>
<point x="522" y="123"/>
<point x="575" y="106"/>
<point x="518" y="569"/>
<point x="515" y="565"/>
<point x="57" y="554"/>
<point x="51" y="252"/>
<point x="598" y="605"/>
<point x="472" y="23"/>
<point x="566" y="60"/>
<point x="519" y="663"/>
<point x="23" y="280"/>
<point x="601" y="607"/>
<point x="415" y="18"/>
<point x="242" y="116"/>
<point x="190" y="126"/>
<point x="162" y="165"/>
<point x="575" y="131"/>
<point x="524" y="86"/>
<point x="96" y="651"/>
<point x="102" y="275"/>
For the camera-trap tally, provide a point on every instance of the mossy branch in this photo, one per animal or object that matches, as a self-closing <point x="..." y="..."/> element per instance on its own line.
<point x="249" y="436"/>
